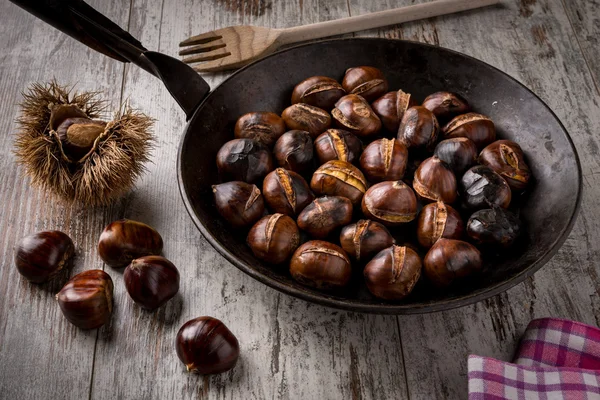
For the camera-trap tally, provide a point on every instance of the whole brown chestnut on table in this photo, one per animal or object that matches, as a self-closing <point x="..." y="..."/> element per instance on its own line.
<point x="244" y="160"/>
<point x="206" y="346"/>
<point x="446" y="105"/>
<point x="391" y="203"/>
<point x="390" y="109"/>
<point x="449" y="260"/>
<point x="438" y="220"/>
<point x="318" y="91"/>
<point x="353" y="113"/>
<point x="286" y="192"/>
<point x="324" y="215"/>
<point x="506" y="158"/>
<point x="338" y="144"/>
<point x="483" y="188"/>
<point x="240" y="203"/>
<point x="42" y="255"/>
<point x="304" y="117"/>
<point x="124" y="240"/>
<point x="393" y="273"/>
<point x="458" y="153"/>
<point x="151" y="281"/>
<point x="495" y="226"/>
<point x="322" y="265"/>
<point x="294" y="151"/>
<point x="365" y="238"/>
<point x="434" y="181"/>
<point x="479" y="128"/>
<point x="418" y="129"/>
<point x="87" y="299"/>
<point x="384" y="160"/>
<point x="369" y="82"/>
<point x="264" y="127"/>
<point x="339" y="178"/>
<point x="274" y="238"/>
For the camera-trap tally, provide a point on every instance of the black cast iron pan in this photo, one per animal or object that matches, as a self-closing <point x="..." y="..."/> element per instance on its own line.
<point x="548" y="210"/>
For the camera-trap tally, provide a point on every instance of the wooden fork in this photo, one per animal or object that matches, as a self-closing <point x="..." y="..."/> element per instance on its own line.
<point x="235" y="46"/>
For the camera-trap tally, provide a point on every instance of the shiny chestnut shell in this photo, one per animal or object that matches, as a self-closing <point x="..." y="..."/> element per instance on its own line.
<point x="481" y="187"/>
<point x="449" y="260"/>
<point x="365" y="238"/>
<point x="318" y="91"/>
<point x="393" y="272"/>
<point x="392" y="203"/>
<point x="305" y="117"/>
<point x="240" y="203"/>
<point x="419" y="128"/>
<point x="286" y="192"/>
<point x="325" y="214"/>
<point x="434" y="181"/>
<point x="458" y="153"/>
<point x="339" y="178"/>
<point x="244" y="160"/>
<point x="479" y="128"/>
<point x="320" y="264"/>
<point x="354" y="114"/>
<point x="274" y="238"/>
<point x="384" y="160"/>
<point x="125" y="240"/>
<point x="264" y="127"/>
<point x="506" y="158"/>
<point x="390" y="108"/>
<point x="446" y="105"/>
<point x="337" y="144"/>
<point x="151" y="281"/>
<point x="368" y="82"/>
<point x="42" y="255"/>
<point x="495" y="226"/>
<point x="438" y="220"/>
<point x="294" y="151"/>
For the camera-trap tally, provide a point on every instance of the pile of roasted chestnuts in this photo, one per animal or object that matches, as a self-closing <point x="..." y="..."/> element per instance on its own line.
<point x="352" y="175"/>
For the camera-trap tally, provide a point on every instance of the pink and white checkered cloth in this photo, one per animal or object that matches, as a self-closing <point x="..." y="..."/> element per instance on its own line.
<point x="557" y="359"/>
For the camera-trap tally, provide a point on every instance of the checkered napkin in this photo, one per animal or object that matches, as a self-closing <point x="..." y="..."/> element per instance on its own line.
<point x="557" y="359"/>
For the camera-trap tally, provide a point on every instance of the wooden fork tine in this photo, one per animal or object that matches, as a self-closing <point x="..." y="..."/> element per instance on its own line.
<point x="202" y="48"/>
<point x="206" y="57"/>
<point x="200" y="39"/>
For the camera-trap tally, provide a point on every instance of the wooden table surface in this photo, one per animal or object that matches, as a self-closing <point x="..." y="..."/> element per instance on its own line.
<point x="290" y="348"/>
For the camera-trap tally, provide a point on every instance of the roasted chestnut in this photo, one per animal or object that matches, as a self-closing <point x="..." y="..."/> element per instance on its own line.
<point x="294" y="151"/>
<point x="434" y="181"/>
<point x="392" y="203"/>
<point x="304" y="117"/>
<point x="206" y="346"/>
<point x="458" y="153"/>
<point x="322" y="265"/>
<point x="87" y="299"/>
<point x="479" y="128"/>
<point x="384" y="160"/>
<point x="264" y="127"/>
<point x="393" y="273"/>
<point x="337" y="144"/>
<point x="449" y="260"/>
<point x="438" y="220"/>
<point x="446" y="105"/>
<point x="506" y="158"/>
<point x="353" y="113"/>
<point x="324" y="215"/>
<point x="495" y="226"/>
<point x="244" y="160"/>
<point x="274" y="238"/>
<point x="286" y="192"/>
<point x="240" y="203"/>
<point x="125" y="240"/>
<point x="419" y="128"/>
<point x="483" y="188"/>
<point x="151" y="281"/>
<point x="318" y="91"/>
<point x="42" y="255"/>
<point x="390" y="108"/>
<point x="339" y="178"/>
<point x="369" y="82"/>
<point x="365" y="238"/>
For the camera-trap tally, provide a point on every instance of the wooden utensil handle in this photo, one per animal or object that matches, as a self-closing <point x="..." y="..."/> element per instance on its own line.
<point x="379" y="19"/>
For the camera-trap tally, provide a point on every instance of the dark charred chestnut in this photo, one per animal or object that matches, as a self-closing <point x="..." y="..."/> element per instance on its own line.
<point x="479" y="128"/>
<point x="483" y="188"/>
<point x="438" y="220"/>
<point x="286" y="192"/>
<point x="384" y="160"/>
<point x="369" y="82"/>
<point x="390" y="109"/>
<point x="87" y="299"/>
<point x="434" y="181"/>
<point x="322" y="265"/>
<point x="393" y="273"/>
<point x="304" y="117"/>
<point x="324" y="215"/>
<point x="418" y="129"/>
<point x="446" y="105"/>
<point x="294" y="151"/>
<point x="318" y="91"/>
<point x="495" y="226"/>
<point x="391" y="203"/>
<point x="244" y="160"/>
<point x="240" y="203"/>
<point x="449" y="260"/>
<point x="274" y="238"/>
<point x="125" y="240"/>
<point x="354" y="114"/>
<point x="506" y="158"/>
<point x="365" y="238"/>
<point x="151" y="281"/>
<point x="339" y="178"/>
<point x="337" y="144"/>
<point x="264" y="127"/>
<point x="42" y="255"/>
<point x="206" y="346"/>
<point x="458" y="153"/>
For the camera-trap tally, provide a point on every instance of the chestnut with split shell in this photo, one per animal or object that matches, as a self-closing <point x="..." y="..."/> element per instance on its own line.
<point x="339" y="178"/>
<point x="325" y="214"/>
<point x="506" y="158"/>
<point x="369" y="82"/>
<point x="244" y="160"/>
<point x="434" y="181"/>
<point x="286" y="192"/>
<point x="274" y="238"/>
<point x="354" y="114"/>
<point x="392" y="203"/>
<point x="264" y="127"/>
<point x="449" y="260"/>
<point x="365" y="238"/>
<point x="294" y="151"/>
<point x="393" y="273"/>
<point x="240" y="203"/>
<point x="318" y="91"/>
<point x="321" y="265"/>
<point x="338" y="144"/>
